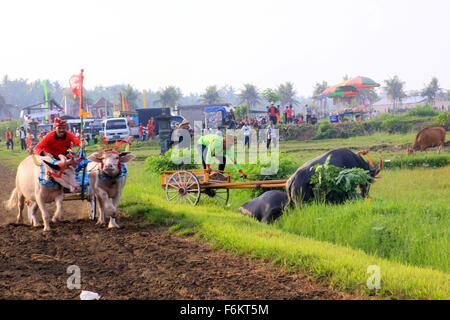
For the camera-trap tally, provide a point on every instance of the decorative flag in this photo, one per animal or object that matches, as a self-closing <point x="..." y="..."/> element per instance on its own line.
<point x="44" y="85"/>
<point x="126" y="105"/>
<point x="76" y="85"/>
<point x="144" y="98"/>
<point x="123" y="101"/>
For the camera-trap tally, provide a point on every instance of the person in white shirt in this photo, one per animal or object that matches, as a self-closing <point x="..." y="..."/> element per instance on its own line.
<point x="22" y="136"/>
<point x="246" y="130"/>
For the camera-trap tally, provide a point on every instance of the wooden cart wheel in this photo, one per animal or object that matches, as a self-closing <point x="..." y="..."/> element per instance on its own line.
<point x="218" y="197"/>
<point x="183" y="187"/>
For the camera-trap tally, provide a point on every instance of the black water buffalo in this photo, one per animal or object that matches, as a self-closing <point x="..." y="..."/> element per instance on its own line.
<point x="299" y="188"/>
<point x="267" y="207"/>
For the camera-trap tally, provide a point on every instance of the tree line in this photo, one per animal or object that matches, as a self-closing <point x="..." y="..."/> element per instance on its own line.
<point x="16" y="94"/>
<point x="19" y="93"/>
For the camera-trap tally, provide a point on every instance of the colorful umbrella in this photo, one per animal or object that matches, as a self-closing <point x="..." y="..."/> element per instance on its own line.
<point x="327" y="91"/>
<point x="339" y="91"/>
<point x="360" y="83"/>
<point x="347" y="91"/>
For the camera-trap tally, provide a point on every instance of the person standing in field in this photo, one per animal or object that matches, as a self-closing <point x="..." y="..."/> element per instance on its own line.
<point x="150" y="128"/>
<point x="308" y="114"/>
<point x="29" y="139"/>
<point x="272" y="112"/>
<point x="288" y="114"/>
<point x="270" y="129"/>
<point x="278" y="115"/>
<point x="141" y="132"/>
<point x="285" y="115"/>
<point x="9" y="139"/>
<point x="22" y="137"/>
<point x="292" y="113"/>
<point x="246" y="130"/>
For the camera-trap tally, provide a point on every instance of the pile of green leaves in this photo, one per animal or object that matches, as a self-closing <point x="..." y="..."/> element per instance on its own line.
<point x="337" y="185"/>
<point x="158" y="164"/>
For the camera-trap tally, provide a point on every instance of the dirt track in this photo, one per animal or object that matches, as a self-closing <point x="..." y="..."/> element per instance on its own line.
<point x="139" y="261"/>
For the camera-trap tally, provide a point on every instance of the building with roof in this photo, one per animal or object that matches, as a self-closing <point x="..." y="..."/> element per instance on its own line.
<point x="100" y="109"/>
<point x="387" y="105"/>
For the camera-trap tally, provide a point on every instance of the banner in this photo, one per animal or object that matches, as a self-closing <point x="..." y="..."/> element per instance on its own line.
<point x="76" y="85"/>
<point x="44" y="84"/>
<point x="144" y="98"/>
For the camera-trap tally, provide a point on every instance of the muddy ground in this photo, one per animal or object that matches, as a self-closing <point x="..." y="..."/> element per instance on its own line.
<point x="138" y="261"/>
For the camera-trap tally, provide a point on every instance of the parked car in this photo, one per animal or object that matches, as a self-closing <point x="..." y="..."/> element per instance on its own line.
<point x="115" y="129"/>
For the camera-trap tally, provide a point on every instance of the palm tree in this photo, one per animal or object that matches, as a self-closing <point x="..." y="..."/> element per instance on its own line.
<point x="318" y="89"/>
<point x="169" y="96"/>
<point x="250" y="95"/>
<point x="228" y="94"/>
<point x="271" y="95"/>
<point x="287" y="94"/>
<point x="431" y="90"/>
<point x="394" y="90"/>
<point x="211" y="95"/>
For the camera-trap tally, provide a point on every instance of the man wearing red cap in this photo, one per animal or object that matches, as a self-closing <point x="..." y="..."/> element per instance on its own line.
<point x="57" y="142"/>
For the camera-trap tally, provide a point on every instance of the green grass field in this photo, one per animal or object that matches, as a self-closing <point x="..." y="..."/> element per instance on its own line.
<point x="343" y="264"/>
<point x="404" y="227"/>
<point x="406" y="219"/>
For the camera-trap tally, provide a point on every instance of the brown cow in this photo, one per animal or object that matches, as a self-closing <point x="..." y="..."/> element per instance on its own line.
<point x="428" y="138"/>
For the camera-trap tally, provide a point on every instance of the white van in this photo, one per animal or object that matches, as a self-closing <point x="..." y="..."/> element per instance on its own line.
<point x="115" y="129"/>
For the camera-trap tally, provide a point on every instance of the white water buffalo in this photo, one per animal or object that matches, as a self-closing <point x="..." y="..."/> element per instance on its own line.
<point x="39" y="182"/>
<point x="107" y="177"/>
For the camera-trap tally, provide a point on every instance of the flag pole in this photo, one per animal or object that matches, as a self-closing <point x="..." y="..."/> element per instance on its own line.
<point x="81" y="103"/>
<point x="81" y="110"/>
<point x="82" y="151"/>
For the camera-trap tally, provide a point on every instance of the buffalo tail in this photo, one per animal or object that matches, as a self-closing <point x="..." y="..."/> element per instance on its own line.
<point x="12" y="202"/>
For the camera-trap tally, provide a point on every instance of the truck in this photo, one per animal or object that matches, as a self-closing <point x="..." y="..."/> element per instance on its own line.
<point x="219" y="117"/>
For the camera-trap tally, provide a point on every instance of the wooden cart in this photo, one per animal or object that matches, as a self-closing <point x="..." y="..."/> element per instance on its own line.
<point x="82" y="178"/>
<point x="187" y="186"/>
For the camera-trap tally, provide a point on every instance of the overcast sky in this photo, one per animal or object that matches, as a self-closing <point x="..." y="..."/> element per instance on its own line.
<point x="196" y="43"/>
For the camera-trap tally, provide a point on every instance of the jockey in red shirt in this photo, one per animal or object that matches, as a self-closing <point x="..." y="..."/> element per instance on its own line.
<point x="57" y="142"/>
